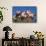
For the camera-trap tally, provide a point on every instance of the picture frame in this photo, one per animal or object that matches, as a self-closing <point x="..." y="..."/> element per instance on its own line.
<point x="24" y="14"/>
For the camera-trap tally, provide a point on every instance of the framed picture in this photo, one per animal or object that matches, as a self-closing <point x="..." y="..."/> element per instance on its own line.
<point x="24" y="14"/>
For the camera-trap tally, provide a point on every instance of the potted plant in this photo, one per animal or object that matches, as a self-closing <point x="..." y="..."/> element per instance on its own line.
<point x="39" y="34"/>
<point x="1" y="15"/>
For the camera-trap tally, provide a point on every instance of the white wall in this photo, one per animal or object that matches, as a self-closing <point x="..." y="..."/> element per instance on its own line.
<point x="23" y="29"/>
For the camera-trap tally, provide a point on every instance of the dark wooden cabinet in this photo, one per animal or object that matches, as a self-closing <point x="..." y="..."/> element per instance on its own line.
<point x="23" y="42"/>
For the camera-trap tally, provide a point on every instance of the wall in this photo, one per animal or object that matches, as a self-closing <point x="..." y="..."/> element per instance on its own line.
<point x="23" y="29"/>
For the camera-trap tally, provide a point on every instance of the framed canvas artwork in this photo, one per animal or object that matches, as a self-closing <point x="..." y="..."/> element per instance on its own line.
<point x="24" y="14"/>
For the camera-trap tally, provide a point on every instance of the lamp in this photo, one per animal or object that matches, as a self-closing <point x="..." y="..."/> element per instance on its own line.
<point x="7" y="28"/>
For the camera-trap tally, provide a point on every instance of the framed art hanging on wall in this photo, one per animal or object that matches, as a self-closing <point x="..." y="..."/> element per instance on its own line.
<point x="24" y="14"/>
